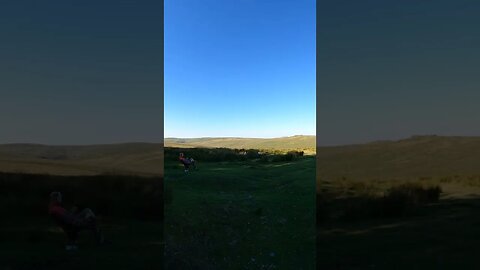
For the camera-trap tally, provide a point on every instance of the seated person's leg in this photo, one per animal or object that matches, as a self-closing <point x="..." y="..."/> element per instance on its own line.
<point x="86" y="220"/>
<point x="72" y="236"/>
<point x="86" y="214"/>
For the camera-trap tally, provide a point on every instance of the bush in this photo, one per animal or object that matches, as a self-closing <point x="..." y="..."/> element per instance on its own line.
<point x="212" y="154"/>
<point x="265" y="159"/>
<point x="289" y="157"/>
<point x="226" y="154"/>
<point x="397" y="201"/>
<point x="416" y="193"/>
<point x="406" y="198"/>
<point x="252" y="154"/>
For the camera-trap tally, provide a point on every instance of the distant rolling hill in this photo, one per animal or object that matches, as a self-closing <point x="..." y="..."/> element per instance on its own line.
<point x="418" y="156"/>
<point x="283" y="143"/>
<point x="129" y="158"/>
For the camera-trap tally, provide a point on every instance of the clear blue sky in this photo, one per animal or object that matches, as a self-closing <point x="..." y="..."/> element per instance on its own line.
<point x="241" y="68"/>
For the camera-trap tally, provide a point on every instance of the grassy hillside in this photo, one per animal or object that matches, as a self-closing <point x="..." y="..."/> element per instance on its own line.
<point x="407" y="204"/>
<point x="283" y="143"/>
<point x="128" y="158"/>
<point x="418" y="156"/>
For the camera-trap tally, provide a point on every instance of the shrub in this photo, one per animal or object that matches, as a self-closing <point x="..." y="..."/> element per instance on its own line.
<point x="226" y="154"/>
<point x="289" y="157"/>
<point x="397" y="201"/>
<point x="212" y="154"/>
<point x="406" y="198"/>
<point x="252" y="154"/>
<point x="265" y="159"/>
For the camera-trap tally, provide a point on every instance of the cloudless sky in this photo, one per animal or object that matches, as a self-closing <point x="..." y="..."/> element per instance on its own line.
<point x="240" y="68"/>
<point x="391" y="69"/>
<point x="81" y="72"/>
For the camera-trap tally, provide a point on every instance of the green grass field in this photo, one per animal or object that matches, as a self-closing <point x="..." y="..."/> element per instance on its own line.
<point x="240" y="214"/>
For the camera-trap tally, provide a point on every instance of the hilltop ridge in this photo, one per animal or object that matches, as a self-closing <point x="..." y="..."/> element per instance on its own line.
<point x="125" y="158"/>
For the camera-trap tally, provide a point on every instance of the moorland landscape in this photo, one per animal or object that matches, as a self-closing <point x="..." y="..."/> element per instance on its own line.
<point x="406" y="204"/>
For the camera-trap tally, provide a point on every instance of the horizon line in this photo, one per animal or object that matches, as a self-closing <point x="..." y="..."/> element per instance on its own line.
<point x="317" y="144"/>
<point x="237" y="137"/>
<point x="81" y="144"/>
<point x="142" y="142"/>
<point x="415" y="136"/>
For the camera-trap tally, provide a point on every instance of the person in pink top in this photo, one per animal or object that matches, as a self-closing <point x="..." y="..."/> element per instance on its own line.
<point x="187" y="162"/>
<point x="72" y="222"/>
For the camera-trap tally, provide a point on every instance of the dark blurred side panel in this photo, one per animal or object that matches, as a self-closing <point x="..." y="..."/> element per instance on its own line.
<point x="81" y="119"/>
<point x="398" y="140"/>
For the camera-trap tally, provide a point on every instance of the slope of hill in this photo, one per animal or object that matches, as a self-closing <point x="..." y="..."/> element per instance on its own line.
<point x="418" y="156"/>
<point x="283" y="143"/>
<point x="128" y="158"/>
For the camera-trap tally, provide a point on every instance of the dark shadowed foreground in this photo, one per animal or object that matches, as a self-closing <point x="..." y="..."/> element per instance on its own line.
<point x="410" y="204"/>
<point x="130" y="208"/>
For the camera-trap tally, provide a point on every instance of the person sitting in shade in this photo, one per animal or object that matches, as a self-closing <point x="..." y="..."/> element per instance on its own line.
<point x="72" y="222"/>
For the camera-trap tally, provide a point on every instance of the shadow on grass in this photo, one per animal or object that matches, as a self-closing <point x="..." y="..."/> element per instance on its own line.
<point x="442" y="235"/>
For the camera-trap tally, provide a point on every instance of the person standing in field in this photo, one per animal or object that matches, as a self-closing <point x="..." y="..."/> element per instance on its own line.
<point x="72" y="222"/>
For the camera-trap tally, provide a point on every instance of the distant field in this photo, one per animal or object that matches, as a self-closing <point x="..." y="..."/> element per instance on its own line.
<point x="420" y="156"/>
<point x="300" y="142"/>
<point x="366" y="220"/>
<point x="240" y="212"/>
<point x="128" y="158"/>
